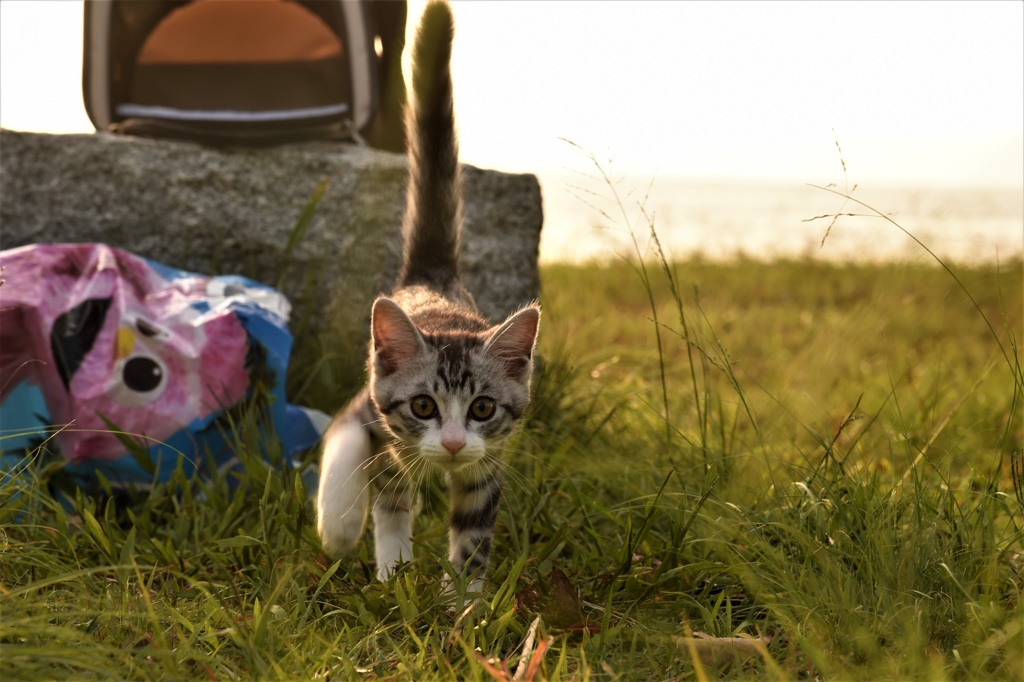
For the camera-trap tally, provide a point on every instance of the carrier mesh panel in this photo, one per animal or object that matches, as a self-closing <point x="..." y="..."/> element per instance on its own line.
<point x="262" y="57"/>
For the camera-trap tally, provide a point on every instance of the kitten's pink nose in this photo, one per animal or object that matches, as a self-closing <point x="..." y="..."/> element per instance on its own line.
<point x="453" y="446"/>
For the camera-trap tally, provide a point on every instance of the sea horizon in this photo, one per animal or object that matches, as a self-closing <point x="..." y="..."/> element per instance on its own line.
<point x="726" y="219"/>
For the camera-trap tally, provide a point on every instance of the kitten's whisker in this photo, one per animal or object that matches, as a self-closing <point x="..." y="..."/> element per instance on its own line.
<point x="369" y="484"/>
<point x="513" y="477"/>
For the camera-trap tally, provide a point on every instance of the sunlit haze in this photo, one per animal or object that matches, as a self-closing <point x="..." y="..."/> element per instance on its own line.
<point x="923" y="94"/>
<point x="916" y="92"/>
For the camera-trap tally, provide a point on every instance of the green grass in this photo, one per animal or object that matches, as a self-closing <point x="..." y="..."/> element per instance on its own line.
<point x="825" y="456"/>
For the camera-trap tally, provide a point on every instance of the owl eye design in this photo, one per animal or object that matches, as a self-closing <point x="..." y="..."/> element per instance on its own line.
<point x="142" y="374"/>
<point x="146" y="329"/>
<point x="143" y="379"/>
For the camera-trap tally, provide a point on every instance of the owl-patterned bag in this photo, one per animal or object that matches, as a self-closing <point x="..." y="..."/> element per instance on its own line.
<point x="127" y="368"/>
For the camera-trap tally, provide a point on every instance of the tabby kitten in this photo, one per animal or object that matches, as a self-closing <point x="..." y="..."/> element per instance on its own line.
<point x="445" y="387"/>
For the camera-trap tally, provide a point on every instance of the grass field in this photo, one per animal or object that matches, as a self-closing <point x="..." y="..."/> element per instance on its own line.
<point x="740" y="471"/>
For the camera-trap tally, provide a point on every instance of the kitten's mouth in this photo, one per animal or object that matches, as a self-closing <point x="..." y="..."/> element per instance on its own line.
<point x="448" y="462"/>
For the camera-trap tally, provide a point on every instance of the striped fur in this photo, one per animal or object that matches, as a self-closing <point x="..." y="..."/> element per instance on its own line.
<point x="446" y="388"/>
<point x="434" y="199"/>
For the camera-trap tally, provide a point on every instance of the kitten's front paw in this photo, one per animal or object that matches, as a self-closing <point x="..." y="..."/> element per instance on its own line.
<point x="392" y="533"/>
<point x="342" y="500"/>
<point x="392" y="554"/>
<point x="338" y="545"/>
<point x="341" y="520"/>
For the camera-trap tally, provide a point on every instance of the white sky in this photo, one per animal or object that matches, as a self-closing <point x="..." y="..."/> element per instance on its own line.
<point x="918" y="93"/>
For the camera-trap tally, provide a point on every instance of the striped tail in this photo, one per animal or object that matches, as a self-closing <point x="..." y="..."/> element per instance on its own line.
<point x="433" y="214"/>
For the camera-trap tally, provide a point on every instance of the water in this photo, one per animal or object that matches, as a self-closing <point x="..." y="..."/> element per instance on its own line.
<point x="724" y="220"/>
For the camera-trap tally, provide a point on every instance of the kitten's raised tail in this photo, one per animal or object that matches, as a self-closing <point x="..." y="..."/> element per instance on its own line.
<point x="434" y="203"/>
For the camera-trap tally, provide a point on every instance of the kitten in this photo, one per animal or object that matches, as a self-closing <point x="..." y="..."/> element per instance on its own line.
<point x="446" y="388"/>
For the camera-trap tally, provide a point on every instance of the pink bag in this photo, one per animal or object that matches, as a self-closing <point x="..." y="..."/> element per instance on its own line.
<point x="96" y="341"/>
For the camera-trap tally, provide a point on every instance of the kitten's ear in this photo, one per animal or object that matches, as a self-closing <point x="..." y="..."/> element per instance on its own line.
<point x="513" y="341"/>
<point x="396" y="339"/>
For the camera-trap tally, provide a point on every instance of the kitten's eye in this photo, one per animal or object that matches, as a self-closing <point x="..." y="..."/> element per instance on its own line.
<point x="482" y="409"/>
<point x="423" y="406"/>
